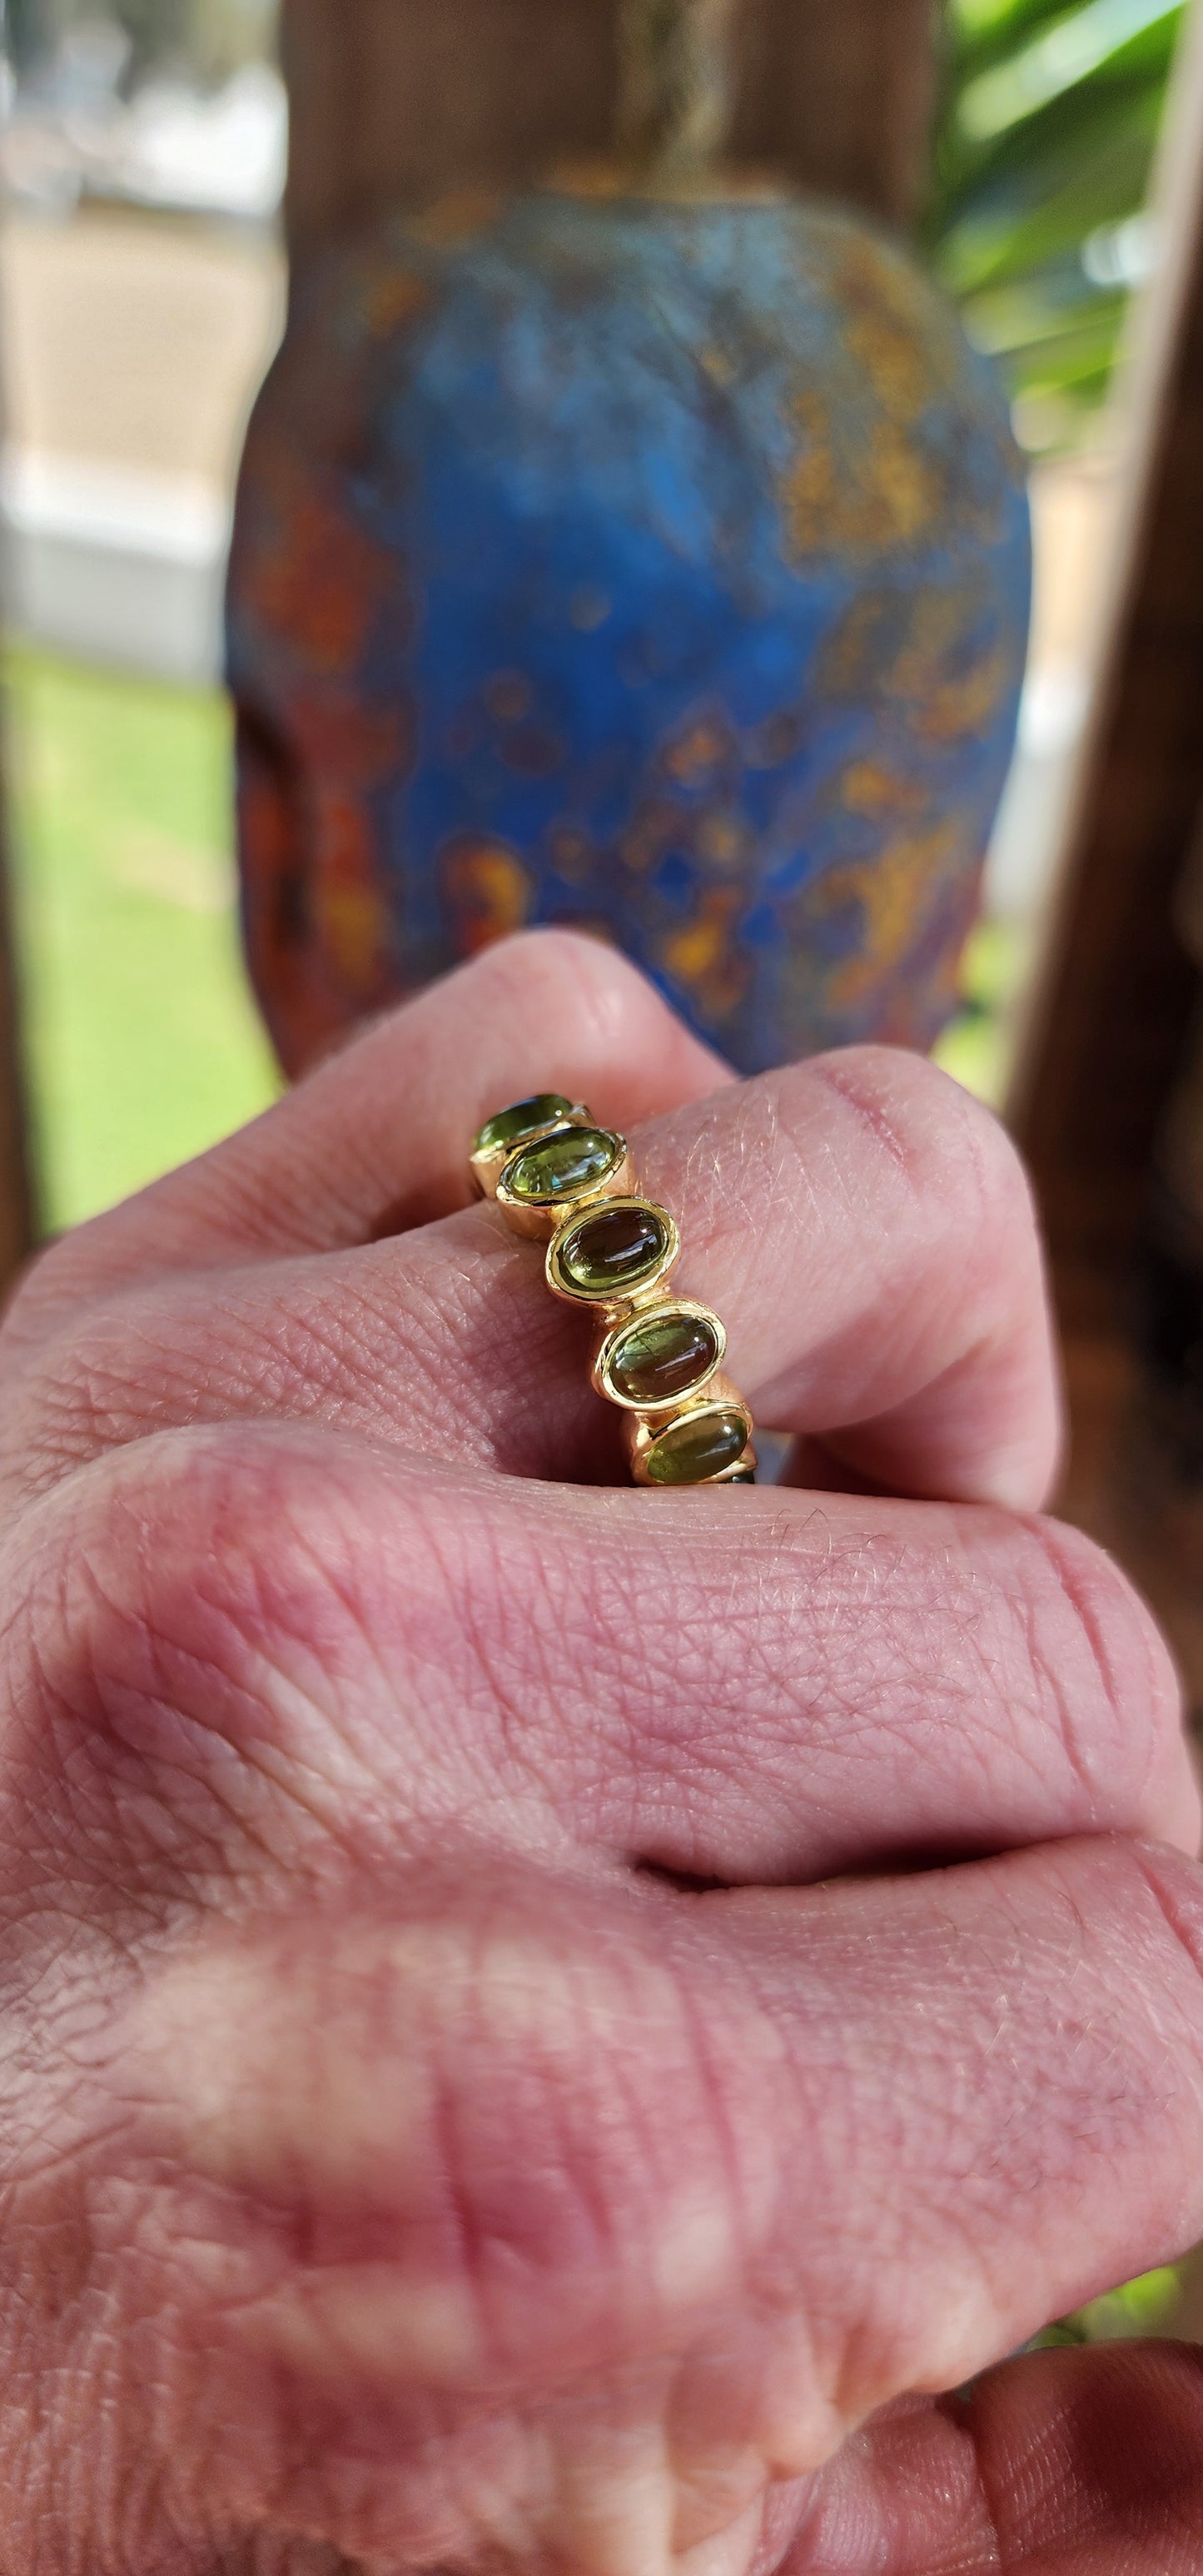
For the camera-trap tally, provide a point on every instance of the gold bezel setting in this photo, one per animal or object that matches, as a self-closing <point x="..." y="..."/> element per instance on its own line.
<point x="540" y="1218"/>
<point x="620" y="1308"/>
<point x="624" y="1301"/>
<point x="486" y="1168"/>
<point x="645" y="1434"/>
<point x="662" y="1310"/>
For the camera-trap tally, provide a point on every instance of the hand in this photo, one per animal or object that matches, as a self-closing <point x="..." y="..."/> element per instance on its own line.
<point x="533" y="2010"/>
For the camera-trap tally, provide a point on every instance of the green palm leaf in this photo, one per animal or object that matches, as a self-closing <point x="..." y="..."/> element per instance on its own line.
<point x="1048" y="125"/>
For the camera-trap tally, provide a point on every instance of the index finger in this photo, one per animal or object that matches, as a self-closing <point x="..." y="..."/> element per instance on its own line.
<point x="376" y="1139"/>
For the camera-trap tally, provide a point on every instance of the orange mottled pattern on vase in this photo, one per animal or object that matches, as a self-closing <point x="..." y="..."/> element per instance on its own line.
<point x="661" y="568"/>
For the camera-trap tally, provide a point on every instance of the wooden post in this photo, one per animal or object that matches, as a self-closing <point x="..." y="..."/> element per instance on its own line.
<point x="1110" y="1017"/>
<point x="16" y="1198"/>
<point x="393" y="100"/>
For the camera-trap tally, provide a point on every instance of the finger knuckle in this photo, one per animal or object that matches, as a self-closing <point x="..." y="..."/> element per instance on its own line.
<point x="564" y="980"/>
<point x="178" y="1682"/>
<point x="52" y="1278"/>
<point x="465" y="2030"/>
<point x="935" y="1132"/>
<point x="424" y="2161"/>
<point x="85" y="1390"/>
<point x="1104" y="1667"/>
<point x="1175" y="1887"/>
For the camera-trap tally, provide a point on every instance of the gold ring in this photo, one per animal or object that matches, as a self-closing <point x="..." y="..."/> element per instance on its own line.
<point x="562" y="1180"/>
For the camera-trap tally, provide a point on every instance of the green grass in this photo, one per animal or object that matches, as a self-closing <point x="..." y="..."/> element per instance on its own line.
<point x="1143" y="2307"/>
<point x="141" y="1038"/>
<point x="976" y="1046"/>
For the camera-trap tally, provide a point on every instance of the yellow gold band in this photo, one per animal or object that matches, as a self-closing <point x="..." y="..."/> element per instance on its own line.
<point x="562" y="1180"/>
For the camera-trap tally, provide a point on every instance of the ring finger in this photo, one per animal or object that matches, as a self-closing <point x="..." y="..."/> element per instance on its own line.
<point x="863" y="1229"/>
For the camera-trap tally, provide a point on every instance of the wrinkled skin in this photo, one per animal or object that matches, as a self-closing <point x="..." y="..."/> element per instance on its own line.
<point x="544" y="2024"/>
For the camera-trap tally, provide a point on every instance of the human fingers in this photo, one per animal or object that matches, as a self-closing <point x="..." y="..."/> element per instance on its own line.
<point x="486" y="2214"/>
<point x="1092" y="2463"/>
<point x="867" y="1231"/>
<point x="967" y="2098"/>
<point x="740" y="1688"/>
<point x="376" y="1139"/>
<point x="862" y="1226"/>
<point x="1065" y="2464"/>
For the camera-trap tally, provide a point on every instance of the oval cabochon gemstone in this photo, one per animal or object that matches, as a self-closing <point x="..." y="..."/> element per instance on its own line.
<point x="577" y="1159"/>
<point x="700" y="1446"/>
<point x="521" y="1119"/>
<point x="660" y="1356"/>
<point x="614" y="1250"/>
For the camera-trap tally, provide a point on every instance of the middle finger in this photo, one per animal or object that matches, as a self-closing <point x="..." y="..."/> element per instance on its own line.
<point x="743" y="1687"/>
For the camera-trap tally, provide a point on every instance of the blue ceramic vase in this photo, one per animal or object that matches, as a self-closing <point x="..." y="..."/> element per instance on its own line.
<point x="659" y="567"/>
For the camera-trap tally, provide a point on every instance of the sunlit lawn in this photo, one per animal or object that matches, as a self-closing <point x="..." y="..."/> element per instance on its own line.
<point x="142" y="1041"/>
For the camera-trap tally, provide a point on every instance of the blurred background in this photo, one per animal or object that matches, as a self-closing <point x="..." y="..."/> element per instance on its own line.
<point x="141" y="297"/>
<point x="142" y="287"/>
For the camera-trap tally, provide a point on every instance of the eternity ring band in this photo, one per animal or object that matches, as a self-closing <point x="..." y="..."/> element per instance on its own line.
<point x="562" y="1180"/>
